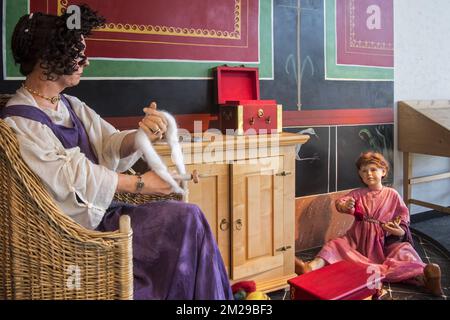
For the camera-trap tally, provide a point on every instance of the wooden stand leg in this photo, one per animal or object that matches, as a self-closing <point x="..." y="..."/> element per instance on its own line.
<point x="407" y="172"/>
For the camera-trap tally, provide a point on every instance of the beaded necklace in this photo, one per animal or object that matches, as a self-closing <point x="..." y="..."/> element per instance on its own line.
<point x="53" y="100"/>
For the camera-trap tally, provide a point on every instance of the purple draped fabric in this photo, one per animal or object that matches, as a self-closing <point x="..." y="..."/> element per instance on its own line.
<point x="175" y="255"/>
<point x="69" y="137"/>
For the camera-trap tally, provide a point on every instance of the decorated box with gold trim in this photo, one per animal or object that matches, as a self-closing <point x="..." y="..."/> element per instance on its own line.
<point x="241" y="112"/>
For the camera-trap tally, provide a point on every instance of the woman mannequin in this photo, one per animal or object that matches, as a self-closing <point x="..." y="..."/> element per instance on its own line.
<point x="79" y="157"/>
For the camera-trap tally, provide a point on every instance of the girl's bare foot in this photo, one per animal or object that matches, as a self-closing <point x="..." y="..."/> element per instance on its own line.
<point x="432" y="279"/>
<point x="301" y="267"/>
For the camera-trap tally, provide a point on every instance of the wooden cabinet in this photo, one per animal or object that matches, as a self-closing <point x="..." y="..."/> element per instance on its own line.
<point x="247" y="193"/>
<point x="210" y="195"/>
<point x="257" y="214"/>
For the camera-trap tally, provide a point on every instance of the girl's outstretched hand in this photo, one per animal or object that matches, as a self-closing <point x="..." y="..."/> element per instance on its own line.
<point x="393" y="228"/>
<point x="346" y="206"/>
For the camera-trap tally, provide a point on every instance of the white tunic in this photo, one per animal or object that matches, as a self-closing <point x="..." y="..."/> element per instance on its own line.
<point x="67" y="173"/>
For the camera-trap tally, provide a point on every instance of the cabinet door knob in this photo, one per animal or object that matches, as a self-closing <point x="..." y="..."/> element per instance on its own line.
<point x="238" y="224"/>
<point x="224" y="224"/>
<point x="284" y="173"/>
<point x="252" y="121"/>
<point x="283" y="248"/>
<point x="268" y="120"/>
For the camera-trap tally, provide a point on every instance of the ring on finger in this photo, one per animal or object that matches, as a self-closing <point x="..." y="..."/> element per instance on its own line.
<point x="155" y="131"/>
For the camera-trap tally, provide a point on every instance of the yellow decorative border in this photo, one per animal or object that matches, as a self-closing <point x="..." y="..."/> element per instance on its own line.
<point x="171" y="31"/>
<point x="240" y="120"/>
<point x="364" y="44"/>
<point x="279" y="118"/>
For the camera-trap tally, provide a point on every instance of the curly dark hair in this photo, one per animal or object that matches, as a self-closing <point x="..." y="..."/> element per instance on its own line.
<point x="46" y="39"/>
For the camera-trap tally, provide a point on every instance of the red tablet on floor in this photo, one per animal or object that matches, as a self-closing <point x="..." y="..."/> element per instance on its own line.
<point x="339" y="281"/>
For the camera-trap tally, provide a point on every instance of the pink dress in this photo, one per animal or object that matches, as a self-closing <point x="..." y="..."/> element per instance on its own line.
<point x="366" y="242"/>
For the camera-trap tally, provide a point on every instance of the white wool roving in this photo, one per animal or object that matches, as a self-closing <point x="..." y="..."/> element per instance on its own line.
<point x="143" y="143"/>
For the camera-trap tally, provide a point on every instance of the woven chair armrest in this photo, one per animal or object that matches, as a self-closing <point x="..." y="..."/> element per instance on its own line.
<point x="135" y="198"/>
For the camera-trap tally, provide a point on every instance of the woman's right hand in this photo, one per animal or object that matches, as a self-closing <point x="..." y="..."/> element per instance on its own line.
<point x="153" y="184"/>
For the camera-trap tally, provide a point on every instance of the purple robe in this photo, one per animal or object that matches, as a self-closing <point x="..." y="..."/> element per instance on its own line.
<point x="175" y="255"/>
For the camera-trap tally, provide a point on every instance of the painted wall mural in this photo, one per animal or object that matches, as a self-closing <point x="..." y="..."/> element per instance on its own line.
<point x="327" y="162"/>
<point x="360" y="39"/>
<point x="167" y="38"/>
<point x="349" y="74"/>
<point x="343" y="117"/>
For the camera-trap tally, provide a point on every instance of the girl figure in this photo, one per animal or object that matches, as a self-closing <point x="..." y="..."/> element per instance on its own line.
<point x="380" y="234"/>
<point x="79" y="157"/>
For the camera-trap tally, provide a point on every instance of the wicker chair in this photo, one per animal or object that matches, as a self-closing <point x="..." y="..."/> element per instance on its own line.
<point x="44" y="254"/>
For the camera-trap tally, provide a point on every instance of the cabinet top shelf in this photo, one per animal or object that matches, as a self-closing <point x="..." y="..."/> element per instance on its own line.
<point x="237" y="142"/>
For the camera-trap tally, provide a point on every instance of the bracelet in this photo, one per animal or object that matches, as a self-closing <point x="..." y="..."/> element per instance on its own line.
<point x="139" y="184"/>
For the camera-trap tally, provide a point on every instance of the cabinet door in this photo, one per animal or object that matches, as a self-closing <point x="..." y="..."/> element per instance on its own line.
<point x="211" y="194"/>
<point x="257" y="217"/>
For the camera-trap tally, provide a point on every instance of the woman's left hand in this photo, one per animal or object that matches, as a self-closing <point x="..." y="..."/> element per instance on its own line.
<point x="393" y="229"/>
<point x="154" y="123"/>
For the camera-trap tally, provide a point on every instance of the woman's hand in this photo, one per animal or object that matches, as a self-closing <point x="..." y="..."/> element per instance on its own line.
<point x="153" y="184"/>
<point x="154" y="123"/>
<point x="393" y="228"/>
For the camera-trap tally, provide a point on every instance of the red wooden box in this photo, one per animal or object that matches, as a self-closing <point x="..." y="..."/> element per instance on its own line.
<point x="339" y="281"/>
<point x="240" y="108"/>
